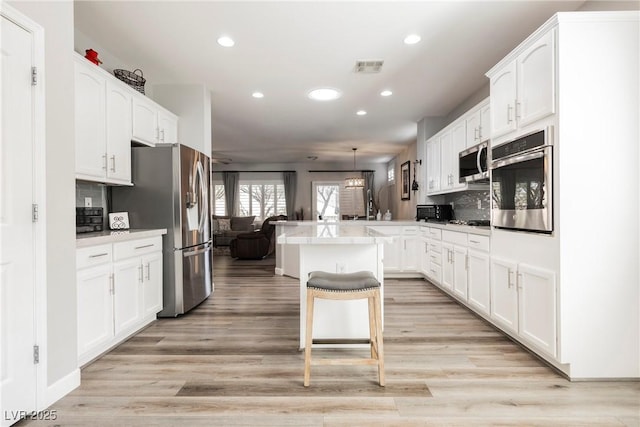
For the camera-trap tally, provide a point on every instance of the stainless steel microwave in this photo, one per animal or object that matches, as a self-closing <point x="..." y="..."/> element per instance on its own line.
<point x="473" y="164"/>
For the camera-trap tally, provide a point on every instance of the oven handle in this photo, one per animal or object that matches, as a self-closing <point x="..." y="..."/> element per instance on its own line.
<point x="478" y="161"/>
<point x="534" y="153"/>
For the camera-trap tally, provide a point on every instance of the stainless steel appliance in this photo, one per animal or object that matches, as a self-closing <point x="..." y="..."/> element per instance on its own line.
<point x="473" y="163"/>
<point x="171" y="190"/>
<point x="434" y="212"/>
<point x="522" y="183"/>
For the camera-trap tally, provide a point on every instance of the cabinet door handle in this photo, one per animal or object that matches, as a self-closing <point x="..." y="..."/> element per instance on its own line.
<point x="519" y="280"/>
<point x="144" y="246"/>
<point x="509" y="108"/>
<point x="104" y="161"/>
<point x="480" y="132"/>
<point x="476" y="134"/>
<point x="140" y="277"/>
<point x="466" y="262"/>
<point x="98" y="255"/>
<point x="518" y="109"/>
<point x="113" y="163"/>
<point x="510" y="279"/>
<point x="112" y="284"/>
<point x="148" y="271"/>
<point x="162" y="135"/>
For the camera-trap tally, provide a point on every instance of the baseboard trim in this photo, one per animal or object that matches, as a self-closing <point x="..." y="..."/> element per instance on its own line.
<point x="279" y="271"/>
<point x="61" y="388"/>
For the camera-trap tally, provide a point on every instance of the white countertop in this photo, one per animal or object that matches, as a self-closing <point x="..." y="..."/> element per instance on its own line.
<point x="331" y="233"/>
<point x="111" y="236"/>
<point x="480" y="230"/>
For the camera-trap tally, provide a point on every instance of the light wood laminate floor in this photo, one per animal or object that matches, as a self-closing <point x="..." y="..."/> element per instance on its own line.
<point x="234" y="361"/>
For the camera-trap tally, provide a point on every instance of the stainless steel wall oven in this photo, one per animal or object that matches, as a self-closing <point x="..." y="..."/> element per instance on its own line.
<point x="522" y="183"/>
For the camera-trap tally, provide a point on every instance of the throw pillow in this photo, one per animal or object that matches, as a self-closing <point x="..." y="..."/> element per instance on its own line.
<point x="224" y="225"/>
<point x="242" y="223"/>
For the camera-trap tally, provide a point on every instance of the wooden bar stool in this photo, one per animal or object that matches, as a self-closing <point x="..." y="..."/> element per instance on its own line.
<point x="348" y="286"/>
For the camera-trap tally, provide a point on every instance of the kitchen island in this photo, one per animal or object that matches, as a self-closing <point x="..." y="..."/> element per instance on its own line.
<point x="334" y="248"/>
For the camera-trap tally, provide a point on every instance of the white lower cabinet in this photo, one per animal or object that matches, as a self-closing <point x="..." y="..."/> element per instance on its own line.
<point x="119" y="291"/>
<point x="402" y="254"/>
<point x="479" y="280"/>
<point x="523" y="302"/>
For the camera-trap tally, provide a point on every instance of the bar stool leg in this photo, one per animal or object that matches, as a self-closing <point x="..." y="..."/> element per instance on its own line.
<point x="379" y="343"/>
<point x="372" y="328"/>
<point x="308" y="340"/>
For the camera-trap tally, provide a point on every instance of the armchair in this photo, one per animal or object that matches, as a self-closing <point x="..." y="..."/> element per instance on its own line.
<point x="258" y="244"/>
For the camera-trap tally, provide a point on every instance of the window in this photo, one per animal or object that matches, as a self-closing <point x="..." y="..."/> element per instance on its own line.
<point x="391" y="173"/>
<point x="262" y="199"/>
<point x="218" y="202"/>
<point x="332" y="201"/>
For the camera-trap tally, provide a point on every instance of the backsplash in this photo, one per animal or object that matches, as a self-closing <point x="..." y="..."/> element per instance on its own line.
<point x="465" y="204"/>
<point x="97" y="192"/>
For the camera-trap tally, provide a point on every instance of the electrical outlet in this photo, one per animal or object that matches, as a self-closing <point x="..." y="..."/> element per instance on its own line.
<point x="479" y="204"/>
<point x="87" y="202"/>
<point x="341" y="268"/>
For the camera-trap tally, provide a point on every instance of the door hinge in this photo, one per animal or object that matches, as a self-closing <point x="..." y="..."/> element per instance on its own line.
<point x="34" y="76"/>
<point x="34" y="212"/>
<point x="36" y="354"/>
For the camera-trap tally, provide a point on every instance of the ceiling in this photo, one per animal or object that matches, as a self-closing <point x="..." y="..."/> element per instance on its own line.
<point x="284" y="49"/>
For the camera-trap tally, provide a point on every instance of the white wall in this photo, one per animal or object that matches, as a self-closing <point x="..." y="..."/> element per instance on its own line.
<point x="57" y="20"/>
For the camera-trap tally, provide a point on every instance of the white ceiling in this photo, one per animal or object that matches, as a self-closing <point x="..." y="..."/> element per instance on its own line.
<point x="284" y="49"/>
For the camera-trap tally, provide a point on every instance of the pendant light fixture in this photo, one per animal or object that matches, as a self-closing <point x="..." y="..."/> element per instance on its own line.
<point x="354" y="182"/>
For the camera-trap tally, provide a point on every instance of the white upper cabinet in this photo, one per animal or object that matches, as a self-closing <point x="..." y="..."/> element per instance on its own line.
<point x="478" y="125"/>
<point x="153" y="124"/>
<point x="118" y="133"/>
<point x="90" y="123"/>
<point x="433" y="165"/>
<point x="523" y="88"/>
<point x="102" y="126"/>
<point x="443" y="150"/>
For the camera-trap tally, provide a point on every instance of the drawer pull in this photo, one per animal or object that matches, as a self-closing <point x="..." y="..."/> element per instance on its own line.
<point x="474" y="241"/>
<point x="98" y="255"/>
<point x="144" y="246"/>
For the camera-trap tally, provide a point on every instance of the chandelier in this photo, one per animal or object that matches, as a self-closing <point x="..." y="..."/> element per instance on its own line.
<point x="354" y="182"/>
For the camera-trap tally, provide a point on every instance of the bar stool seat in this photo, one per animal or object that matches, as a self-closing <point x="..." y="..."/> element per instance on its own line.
<point x="346" y="286"/>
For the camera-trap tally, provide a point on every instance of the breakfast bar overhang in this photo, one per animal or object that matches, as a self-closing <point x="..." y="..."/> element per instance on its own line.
<point x="334" y="248"/>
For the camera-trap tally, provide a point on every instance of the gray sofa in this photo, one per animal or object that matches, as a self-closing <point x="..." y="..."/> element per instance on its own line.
<point x="226" y="228"/>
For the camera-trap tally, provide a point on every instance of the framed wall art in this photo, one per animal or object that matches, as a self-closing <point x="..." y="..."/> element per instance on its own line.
<point x="405" y="179"/>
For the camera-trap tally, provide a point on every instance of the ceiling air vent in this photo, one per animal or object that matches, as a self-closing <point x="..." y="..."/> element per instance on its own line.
<point x="369" y="66"/>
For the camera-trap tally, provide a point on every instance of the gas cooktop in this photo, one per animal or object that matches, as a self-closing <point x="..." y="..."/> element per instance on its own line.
<point x="472" y="222"/>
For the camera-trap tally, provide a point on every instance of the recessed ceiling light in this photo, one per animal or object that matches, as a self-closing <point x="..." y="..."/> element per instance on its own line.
<point x="324" y="94"/>
<point x="257" y="95"/>
<point x="361" y="113"/>
<point x="226" y="41"/>
<point x="412" y="39"/>
<point x="386" y="93"/>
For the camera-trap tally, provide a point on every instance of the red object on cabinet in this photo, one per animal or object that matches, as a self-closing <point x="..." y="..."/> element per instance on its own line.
<point x="92" y="56"/>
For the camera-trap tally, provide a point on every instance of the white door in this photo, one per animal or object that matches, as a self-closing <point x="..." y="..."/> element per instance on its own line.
<point x="145" y="121"/>
<point x="447" y="265"/>
<point x="152" y="283"/>
<point x="118" y="125"/>
<point x="326" y="201"/>
<point x="537" y="311"/>
<point x="479" y="289"/>
<point x="90" y="131"/>
<point x="503" y="98"/>
<point x="536" y="80"/>
<point x="127" y="293"/>
<point x="95" y="308"/>
<point x="168" y="128"/>
<point x="446" y="164"/>
<point x="17" y="258"/>
<point x="504" y="294"/>
<point x="460" y="264"/>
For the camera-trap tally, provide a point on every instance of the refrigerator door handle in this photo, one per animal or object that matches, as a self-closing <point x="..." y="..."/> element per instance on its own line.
<point x="188" y="254"/>
<point x="203" y="196"/>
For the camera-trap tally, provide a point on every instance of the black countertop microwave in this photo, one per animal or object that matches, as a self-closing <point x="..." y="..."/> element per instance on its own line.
<point x="434" y="213"/>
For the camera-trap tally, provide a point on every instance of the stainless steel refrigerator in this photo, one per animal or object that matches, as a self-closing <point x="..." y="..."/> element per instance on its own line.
<point x="171" y="190"/>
